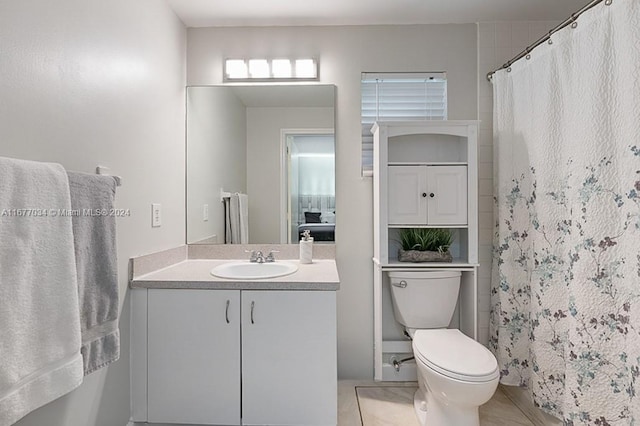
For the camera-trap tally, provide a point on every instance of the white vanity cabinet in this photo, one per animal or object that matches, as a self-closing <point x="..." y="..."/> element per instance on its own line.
<point x="289" y="358"/>
<point x="235" y="357"/>
<point x="427" y="195"/>
<point x="194" y="356"/>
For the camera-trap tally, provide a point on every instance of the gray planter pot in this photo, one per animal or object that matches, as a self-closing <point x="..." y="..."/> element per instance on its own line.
<point x="416" y="256"/>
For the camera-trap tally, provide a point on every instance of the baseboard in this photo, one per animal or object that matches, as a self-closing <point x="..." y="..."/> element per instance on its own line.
<point x="520" y="398"/>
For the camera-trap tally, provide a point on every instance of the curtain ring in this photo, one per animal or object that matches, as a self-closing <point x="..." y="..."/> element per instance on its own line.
<point x="574" y="23"/>
<point x="550" y="41"/>
<point x="528" y="55"/>
<point x="509" y="69"/>
<point x="608" y="2"/>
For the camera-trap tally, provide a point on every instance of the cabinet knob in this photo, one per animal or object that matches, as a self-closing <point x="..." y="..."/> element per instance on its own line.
<point x="424" y="195"/>
<point x="432" y="195"/>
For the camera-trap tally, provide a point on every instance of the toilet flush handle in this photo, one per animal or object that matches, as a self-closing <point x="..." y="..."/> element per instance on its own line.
<point x="401" y="284"/>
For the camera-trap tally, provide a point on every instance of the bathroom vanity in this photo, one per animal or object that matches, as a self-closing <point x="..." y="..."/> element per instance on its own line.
<point x="214" y="351"/>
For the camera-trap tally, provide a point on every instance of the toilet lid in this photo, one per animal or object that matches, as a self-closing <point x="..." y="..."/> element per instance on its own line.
<point x="451" y="353"/>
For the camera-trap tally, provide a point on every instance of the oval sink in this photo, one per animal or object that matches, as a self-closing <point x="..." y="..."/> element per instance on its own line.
<point x="253" y="271"/>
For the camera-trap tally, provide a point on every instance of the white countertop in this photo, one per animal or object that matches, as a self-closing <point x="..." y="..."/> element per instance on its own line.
<point x="322" y="274"/>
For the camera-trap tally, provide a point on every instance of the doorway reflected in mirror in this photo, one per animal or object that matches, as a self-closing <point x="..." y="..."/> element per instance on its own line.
<point x="309" y="184"/>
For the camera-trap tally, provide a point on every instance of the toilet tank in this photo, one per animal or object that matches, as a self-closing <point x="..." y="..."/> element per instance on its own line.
<point x="425" y="299"/>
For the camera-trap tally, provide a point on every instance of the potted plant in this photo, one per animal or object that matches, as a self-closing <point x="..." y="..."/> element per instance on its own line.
<point x="425" y="245"/>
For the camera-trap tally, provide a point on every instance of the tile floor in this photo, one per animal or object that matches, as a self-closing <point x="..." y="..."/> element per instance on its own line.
<point x="366" y="403"/>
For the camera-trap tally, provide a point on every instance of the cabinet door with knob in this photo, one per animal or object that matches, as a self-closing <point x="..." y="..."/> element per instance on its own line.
<point x="407" y="195"/>
<point x="447" y="195"/>
<point x="427" y="195"/>
<point x="194" y="356"/>
<point x="289" y="358"/>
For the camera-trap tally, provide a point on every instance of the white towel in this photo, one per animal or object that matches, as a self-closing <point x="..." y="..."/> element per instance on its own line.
<point x="228" y="238"/>
<point x="237" y="219"/>
<point x="94" y="238"/>
<point x="40" y="339"/>
<point x="243" y="209"/>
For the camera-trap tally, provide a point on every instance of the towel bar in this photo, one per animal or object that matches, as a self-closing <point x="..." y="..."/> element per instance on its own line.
<point x="102" y="170"/>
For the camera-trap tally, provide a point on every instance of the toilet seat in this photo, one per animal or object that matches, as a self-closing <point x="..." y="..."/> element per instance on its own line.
<point x="453" y="354"/>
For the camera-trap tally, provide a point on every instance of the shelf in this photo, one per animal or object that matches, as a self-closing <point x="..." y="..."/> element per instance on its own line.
<point x="427" y="127"/>
<point x="428" y="226"/>
<point x="457" y="263"/>
<point x="427" y="163"/>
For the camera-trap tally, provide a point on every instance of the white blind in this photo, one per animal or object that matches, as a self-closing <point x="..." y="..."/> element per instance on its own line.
<point x="401" y="97"/>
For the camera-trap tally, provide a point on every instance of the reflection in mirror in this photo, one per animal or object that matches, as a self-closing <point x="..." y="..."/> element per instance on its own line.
<point x="260" y="163"/>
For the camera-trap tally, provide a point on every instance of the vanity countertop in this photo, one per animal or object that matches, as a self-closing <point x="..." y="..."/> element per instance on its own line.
<point x="322" y="274"/>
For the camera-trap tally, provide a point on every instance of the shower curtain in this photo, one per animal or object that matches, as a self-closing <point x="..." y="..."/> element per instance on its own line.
<point x="565" y="293"/>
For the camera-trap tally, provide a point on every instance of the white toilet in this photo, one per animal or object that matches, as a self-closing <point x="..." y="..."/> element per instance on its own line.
<point x="456" y="374"/>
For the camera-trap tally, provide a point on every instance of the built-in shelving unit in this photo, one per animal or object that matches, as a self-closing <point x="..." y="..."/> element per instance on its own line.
<point x="425" y="176"/>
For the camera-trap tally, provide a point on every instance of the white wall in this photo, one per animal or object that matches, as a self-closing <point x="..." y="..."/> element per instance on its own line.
<point x="345" y="52"/>
<point x="216" y="157"/>
<point x="316" y="175"/>
<point x="497" y="43"/>
<point x="88" y="82"/>
<point x="263" y="162"/>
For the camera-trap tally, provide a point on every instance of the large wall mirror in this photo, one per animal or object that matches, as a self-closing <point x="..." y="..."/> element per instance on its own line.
<point x="260" y="163"/>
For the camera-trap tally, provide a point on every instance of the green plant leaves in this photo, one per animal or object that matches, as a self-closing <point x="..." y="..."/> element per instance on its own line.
<point x="426" y="239"/>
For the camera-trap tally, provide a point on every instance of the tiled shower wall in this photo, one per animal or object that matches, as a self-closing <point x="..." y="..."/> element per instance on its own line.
<point x="497" y="43"/>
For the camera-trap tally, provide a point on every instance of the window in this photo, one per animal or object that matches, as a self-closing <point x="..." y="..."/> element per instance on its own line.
<point x="399" y="96"/>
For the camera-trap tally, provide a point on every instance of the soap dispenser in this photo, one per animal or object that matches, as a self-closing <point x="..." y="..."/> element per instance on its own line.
<point x="306" y="247"/>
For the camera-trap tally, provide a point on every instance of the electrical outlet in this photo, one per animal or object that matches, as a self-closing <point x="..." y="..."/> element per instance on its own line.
<point x="205" y="212"/>
<point x="156" y="215"/>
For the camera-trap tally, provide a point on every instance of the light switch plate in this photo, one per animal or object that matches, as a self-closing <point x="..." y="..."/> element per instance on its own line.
<point x="156" y="215"/>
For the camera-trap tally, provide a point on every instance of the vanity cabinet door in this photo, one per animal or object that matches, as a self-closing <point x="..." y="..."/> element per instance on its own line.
<point x="289" y="372"/>
<point x="194" y="356"/>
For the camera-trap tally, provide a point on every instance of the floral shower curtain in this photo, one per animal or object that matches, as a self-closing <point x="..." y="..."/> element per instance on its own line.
<point x="565" y="318"/>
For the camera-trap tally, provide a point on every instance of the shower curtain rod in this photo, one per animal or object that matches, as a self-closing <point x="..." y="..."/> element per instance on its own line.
<point x="571" y="20"/>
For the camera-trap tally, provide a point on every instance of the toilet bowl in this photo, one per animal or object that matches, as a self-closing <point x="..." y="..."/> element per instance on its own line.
<point x="456" y="375"/>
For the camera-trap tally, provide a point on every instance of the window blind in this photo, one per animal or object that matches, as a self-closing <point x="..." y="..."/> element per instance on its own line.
<point x="400" y="97"/>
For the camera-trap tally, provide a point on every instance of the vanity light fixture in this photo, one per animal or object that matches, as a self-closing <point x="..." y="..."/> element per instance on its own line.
<point x="306" y="68"/>
<point x="259" y="68"/>
<point x="281" y="68"/>
<point x="270" y="69"/>
<point x="236" y="69"/>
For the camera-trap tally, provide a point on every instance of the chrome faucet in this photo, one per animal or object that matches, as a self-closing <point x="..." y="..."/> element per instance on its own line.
<point x="270" y="257"/>
<point x="259" y="257"/>
<point x="255" y="256"/>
